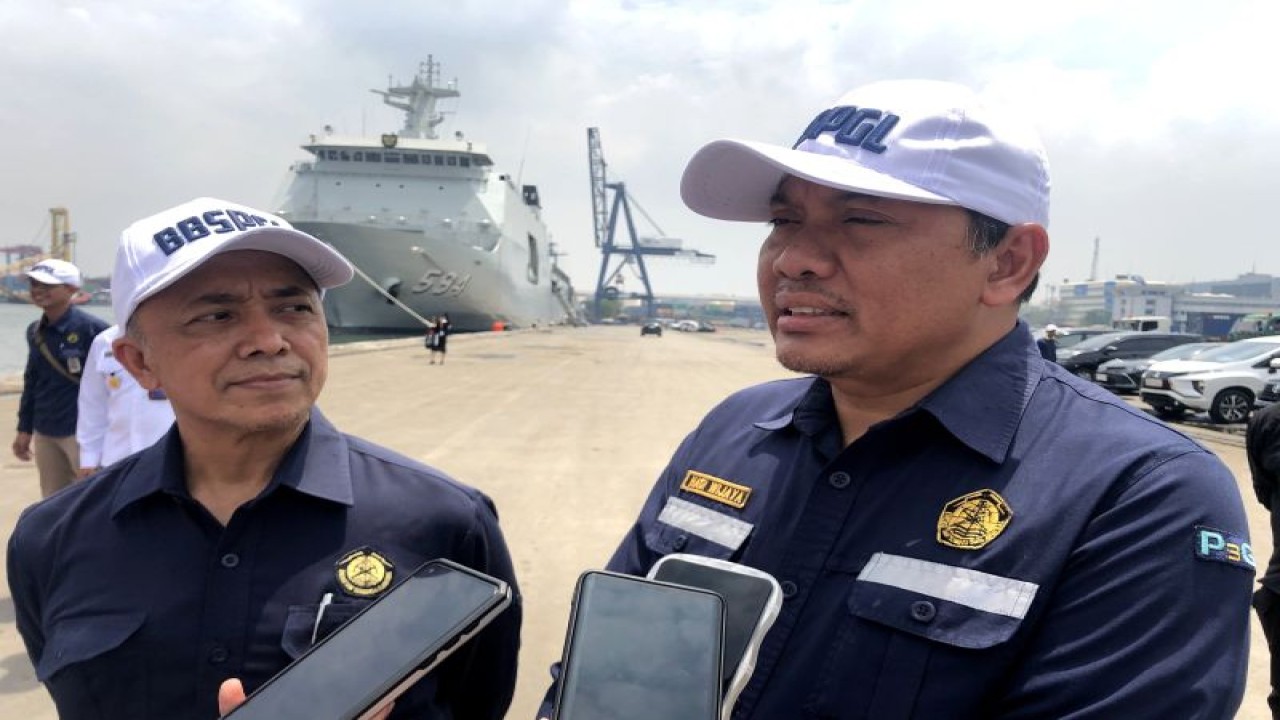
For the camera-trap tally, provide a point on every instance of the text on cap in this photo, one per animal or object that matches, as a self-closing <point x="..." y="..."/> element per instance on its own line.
<point x="861" y="127"/>
<point x="214" y="222"/>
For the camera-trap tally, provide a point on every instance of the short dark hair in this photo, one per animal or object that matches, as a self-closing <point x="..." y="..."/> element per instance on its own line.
<point x="985" y="233"/>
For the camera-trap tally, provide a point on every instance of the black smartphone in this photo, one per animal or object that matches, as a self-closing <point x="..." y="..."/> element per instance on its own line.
<point x="752" y="599"/>
<point x="639" y="649"/>
<point x="381" y="651"/>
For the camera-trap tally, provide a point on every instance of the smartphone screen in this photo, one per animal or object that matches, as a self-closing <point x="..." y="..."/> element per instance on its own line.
<point x="747" y="598"/>
<point x="639" y="649"/>
<point x="394" y="640"/>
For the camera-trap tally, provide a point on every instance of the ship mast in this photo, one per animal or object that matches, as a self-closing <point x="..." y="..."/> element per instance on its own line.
<point x="419" y="103"/>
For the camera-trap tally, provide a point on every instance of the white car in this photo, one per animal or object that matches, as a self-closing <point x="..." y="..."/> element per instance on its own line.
<point x="1223" y="382"/>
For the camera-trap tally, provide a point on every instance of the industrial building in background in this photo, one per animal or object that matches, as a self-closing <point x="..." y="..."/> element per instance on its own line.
<point x="1214" y="308"/>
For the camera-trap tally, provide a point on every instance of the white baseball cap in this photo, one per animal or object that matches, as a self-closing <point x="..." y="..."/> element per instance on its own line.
<point x="1051" y="328"/>
<point x="921" y="140"/>
<point x="55" y="272"/>
<point x="157" y="251"/>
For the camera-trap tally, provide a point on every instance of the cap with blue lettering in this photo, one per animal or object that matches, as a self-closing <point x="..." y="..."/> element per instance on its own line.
<point x="55" y="272"/>
<point x="157" y="251"/>
<point x="921" y="140"/>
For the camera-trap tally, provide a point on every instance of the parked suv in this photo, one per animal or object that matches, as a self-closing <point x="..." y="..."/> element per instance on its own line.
<point x="1223" y="382"/>
<point x="1084" y="358"/>
<point x="1270" y="392"/>
<point x="1125" y="376"/>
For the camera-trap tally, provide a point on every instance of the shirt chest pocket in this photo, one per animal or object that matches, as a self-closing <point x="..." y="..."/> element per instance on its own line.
<point x="684" y="526"/>
<point x="301" y="630"/>
<point x="87" y="662"/>
<point x="920" y="640"/>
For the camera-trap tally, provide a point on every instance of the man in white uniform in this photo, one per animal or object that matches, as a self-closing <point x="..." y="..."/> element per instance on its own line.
<point x="117" y="416"/>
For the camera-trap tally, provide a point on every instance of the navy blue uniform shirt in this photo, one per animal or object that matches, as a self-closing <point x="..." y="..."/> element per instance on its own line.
<point x="1048" y="349"/>
<point x="134" y="602"/>
<point x="1262" y="443"/>
<point x="49" y="398"/>
<point x="1020" y="544"/>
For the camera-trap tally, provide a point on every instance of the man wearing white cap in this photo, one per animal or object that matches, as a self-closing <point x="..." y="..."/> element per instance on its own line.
<point x="1048" y="345"/>
<point x="57" y="346"/>
<point x="960" y="528"/>
<point x="194" y="570"/>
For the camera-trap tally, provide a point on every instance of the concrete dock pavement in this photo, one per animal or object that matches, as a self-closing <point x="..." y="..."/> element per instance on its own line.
<point x="566" y="428"/>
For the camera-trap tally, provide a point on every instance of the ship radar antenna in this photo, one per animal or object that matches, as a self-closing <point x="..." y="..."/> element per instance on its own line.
<point x="418" y="100"/>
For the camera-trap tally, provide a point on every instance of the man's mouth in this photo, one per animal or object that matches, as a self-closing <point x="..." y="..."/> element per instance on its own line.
<point x="801" y="311"/>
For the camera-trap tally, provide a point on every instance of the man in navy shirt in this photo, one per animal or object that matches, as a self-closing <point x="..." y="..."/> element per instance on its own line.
<point x="183" y="575"/>
<point x="960" y="528"/>
<point x="57" y="347"/>
<point x="1048" y="344"/>
<point x="1262" y="446"/>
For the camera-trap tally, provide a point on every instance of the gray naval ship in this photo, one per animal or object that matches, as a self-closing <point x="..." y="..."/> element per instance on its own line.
<point x="430" y="224"/>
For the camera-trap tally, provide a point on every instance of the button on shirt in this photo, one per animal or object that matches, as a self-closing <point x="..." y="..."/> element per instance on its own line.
<point x="49" y="398"/>
<point x="117" y="416"/>
<point x="1090" y="602"/>
<point x="134" y="602"/>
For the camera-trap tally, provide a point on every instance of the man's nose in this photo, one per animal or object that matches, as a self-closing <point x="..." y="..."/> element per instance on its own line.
<point x="263" y="333"/>
<point x="804" y="254"/>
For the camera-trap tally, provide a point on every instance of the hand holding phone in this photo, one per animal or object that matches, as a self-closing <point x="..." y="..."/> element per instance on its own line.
<point x="639" y="649"/>
<point x="752" y="600"/>
<point x="363" y="665"/>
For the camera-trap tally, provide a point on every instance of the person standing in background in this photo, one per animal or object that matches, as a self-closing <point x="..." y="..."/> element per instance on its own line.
<point x="1048" y="345"/>
<point x="117" y="416"/>
<point x="57" y="345"/>
<point x="440" y="338"/>
<point x="1262" y="446"/>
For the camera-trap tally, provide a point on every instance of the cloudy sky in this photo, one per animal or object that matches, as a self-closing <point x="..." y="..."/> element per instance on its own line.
<point x="1161" y="119"/>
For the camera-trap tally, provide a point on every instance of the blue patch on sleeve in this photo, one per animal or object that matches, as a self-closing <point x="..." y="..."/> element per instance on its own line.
<point x="1224" y="547"/>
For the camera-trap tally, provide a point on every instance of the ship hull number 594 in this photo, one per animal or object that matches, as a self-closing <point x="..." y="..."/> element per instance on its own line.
<point x="438" y="282"/>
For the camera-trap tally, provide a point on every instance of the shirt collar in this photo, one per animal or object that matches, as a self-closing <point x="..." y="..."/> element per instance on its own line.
<point x="316" y="464"/>
<point x="981" y="405"/>
<point x="62" y="323"/>
<point x="810" y="415"/>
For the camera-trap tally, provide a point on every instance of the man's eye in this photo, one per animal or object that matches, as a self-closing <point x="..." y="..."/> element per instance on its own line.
<point x="779" y="221"/>
<point x="215" y="316"/>
<point x="863" y="220"/>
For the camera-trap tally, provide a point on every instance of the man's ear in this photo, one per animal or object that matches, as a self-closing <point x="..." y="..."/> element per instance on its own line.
<point x="132" y="354"/>
<point x="1017" y="259"/>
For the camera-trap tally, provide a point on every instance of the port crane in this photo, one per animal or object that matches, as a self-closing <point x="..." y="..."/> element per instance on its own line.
<point x="630" y="251"/>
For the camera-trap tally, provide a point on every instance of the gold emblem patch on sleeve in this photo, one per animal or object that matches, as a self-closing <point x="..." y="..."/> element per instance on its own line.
<point x="972" y="521"/>
<point x="364" y="573"/>
<point x="722" y="491"/>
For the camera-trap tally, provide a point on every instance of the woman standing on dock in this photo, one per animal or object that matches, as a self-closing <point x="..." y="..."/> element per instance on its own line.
<point x="437" y="338"/>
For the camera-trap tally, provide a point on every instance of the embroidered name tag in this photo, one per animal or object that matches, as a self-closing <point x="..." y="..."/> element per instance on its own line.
<point x="711" y="487"/>
<point x="1220" y="546"/>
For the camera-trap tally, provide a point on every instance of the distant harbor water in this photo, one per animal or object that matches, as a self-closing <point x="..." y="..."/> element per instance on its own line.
<point x="14" y="319"/>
